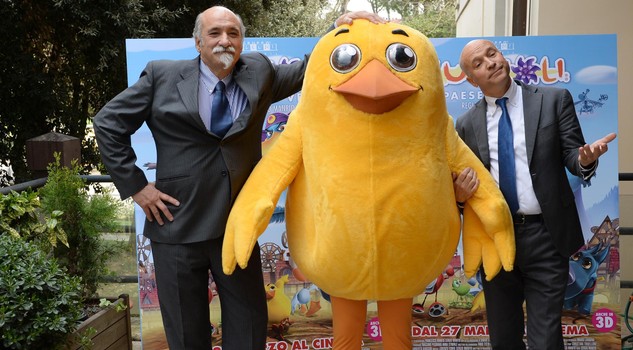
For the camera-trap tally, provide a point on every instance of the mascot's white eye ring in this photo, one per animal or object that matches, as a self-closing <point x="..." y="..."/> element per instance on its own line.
<point x="401" y="57"/>
<point x="345" y="58"/>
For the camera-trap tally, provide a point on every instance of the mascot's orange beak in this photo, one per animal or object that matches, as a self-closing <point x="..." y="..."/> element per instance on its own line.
<point x="270" y="294"/>
<point x="375" y="89"/>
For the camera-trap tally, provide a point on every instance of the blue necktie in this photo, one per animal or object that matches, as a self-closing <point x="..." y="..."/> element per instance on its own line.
<point x="221" y="119"/>
<point x="507" y="174"/>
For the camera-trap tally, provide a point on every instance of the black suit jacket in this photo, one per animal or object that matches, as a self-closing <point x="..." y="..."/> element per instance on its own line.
<point x="205" y="173"/>
<point x="553" y="136"/>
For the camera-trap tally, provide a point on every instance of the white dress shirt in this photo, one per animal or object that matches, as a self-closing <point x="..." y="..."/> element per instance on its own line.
<point x="528" y="204"/>
<point x="206" y="84"/>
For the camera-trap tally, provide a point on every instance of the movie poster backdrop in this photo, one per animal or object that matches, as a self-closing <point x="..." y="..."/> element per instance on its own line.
<point x="450" y="313"/>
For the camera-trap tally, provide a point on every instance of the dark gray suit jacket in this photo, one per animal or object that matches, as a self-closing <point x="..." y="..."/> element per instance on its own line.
<point x="202" y="171"/>
<point x="553" y="136"/>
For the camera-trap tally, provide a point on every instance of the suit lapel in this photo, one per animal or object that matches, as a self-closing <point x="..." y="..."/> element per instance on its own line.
<point x="532" y="101"/>
<point x="188" y="90"/>
<point x="247" y="81"/>
<point x="481" y="132"/>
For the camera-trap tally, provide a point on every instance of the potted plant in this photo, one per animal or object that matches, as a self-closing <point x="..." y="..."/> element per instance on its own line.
<point x="109" y="327"/>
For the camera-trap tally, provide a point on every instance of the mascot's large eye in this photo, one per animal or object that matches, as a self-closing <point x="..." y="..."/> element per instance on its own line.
<point x="345" y="58"/>
<point x="401" y="57"/>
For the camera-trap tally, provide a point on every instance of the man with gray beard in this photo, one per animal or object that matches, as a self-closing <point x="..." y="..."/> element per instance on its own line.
<point x="206" y="147"/>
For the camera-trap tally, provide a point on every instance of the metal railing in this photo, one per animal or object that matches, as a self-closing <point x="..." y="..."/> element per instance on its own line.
<point x="37" y="183"/>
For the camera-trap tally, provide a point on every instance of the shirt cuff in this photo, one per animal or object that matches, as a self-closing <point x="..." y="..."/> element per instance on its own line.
<point x="589" y="171"/>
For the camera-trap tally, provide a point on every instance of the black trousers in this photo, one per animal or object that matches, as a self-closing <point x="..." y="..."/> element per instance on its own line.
<point x="182" y="275"/>
<point x="539" y="279"/>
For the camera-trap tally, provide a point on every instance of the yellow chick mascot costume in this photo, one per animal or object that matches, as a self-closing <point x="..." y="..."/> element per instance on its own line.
<point x="367" y="157"/>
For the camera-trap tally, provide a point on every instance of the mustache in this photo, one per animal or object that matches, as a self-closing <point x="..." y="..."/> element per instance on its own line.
<point x="220" y="49"/>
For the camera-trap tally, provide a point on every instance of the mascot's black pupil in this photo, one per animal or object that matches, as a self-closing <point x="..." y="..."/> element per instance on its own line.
<point x="401" y="57"/>
<point x="345" y="58"/>
<point x="586" y="263"/>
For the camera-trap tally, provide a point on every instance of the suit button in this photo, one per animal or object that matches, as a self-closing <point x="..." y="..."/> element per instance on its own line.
<point x="224" y="173"/>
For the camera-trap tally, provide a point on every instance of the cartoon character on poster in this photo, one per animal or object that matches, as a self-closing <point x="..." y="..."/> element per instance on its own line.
<point x="583" y="277"/>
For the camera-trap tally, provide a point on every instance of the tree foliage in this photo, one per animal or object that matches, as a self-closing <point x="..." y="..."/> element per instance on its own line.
<point x="434" y="18"/>
<point x="62" y="60"/>
<point x="262" y="18"/>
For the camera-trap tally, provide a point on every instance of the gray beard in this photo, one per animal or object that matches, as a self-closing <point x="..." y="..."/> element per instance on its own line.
<point x="226" y="55"/>
<point x="226" y="59"/>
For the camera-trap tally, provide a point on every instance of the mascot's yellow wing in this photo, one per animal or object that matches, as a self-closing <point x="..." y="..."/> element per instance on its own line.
<point x="488" y="231"/>
<point x="255" y="204"/>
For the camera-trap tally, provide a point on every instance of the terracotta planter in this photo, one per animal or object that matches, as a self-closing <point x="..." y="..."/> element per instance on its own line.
<point x="112" y="328"/>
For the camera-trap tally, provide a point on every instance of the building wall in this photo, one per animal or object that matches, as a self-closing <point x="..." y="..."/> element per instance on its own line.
<point x="472" y="22"/>
<point x="568" y="17"/>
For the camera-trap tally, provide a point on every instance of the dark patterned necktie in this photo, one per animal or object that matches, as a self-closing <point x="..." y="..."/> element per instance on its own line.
<point x="221" y="119"/>
<point x="507" y="173"/>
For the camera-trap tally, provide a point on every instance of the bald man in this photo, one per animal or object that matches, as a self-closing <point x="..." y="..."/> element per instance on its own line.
<point x="545" y="139"/>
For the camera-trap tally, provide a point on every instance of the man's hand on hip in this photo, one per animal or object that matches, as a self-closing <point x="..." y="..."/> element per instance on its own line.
<point x="153" y="203"/>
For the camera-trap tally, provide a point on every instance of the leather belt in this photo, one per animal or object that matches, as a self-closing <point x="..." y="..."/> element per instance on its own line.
<point x="520" y="219"/>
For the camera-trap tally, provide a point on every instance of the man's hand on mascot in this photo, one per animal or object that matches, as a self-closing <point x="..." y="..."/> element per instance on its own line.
<point x="349" y="17"/>
<point x="465" y="184"/>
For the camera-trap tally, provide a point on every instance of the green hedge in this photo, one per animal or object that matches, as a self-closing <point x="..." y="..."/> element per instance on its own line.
<point x="39" y="302"/>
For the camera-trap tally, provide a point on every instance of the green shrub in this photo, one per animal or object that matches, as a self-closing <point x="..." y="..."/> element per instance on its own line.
<point x="84" y="218"/>
<point x="21" y="217"/>
<point x="39" y="302"/>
